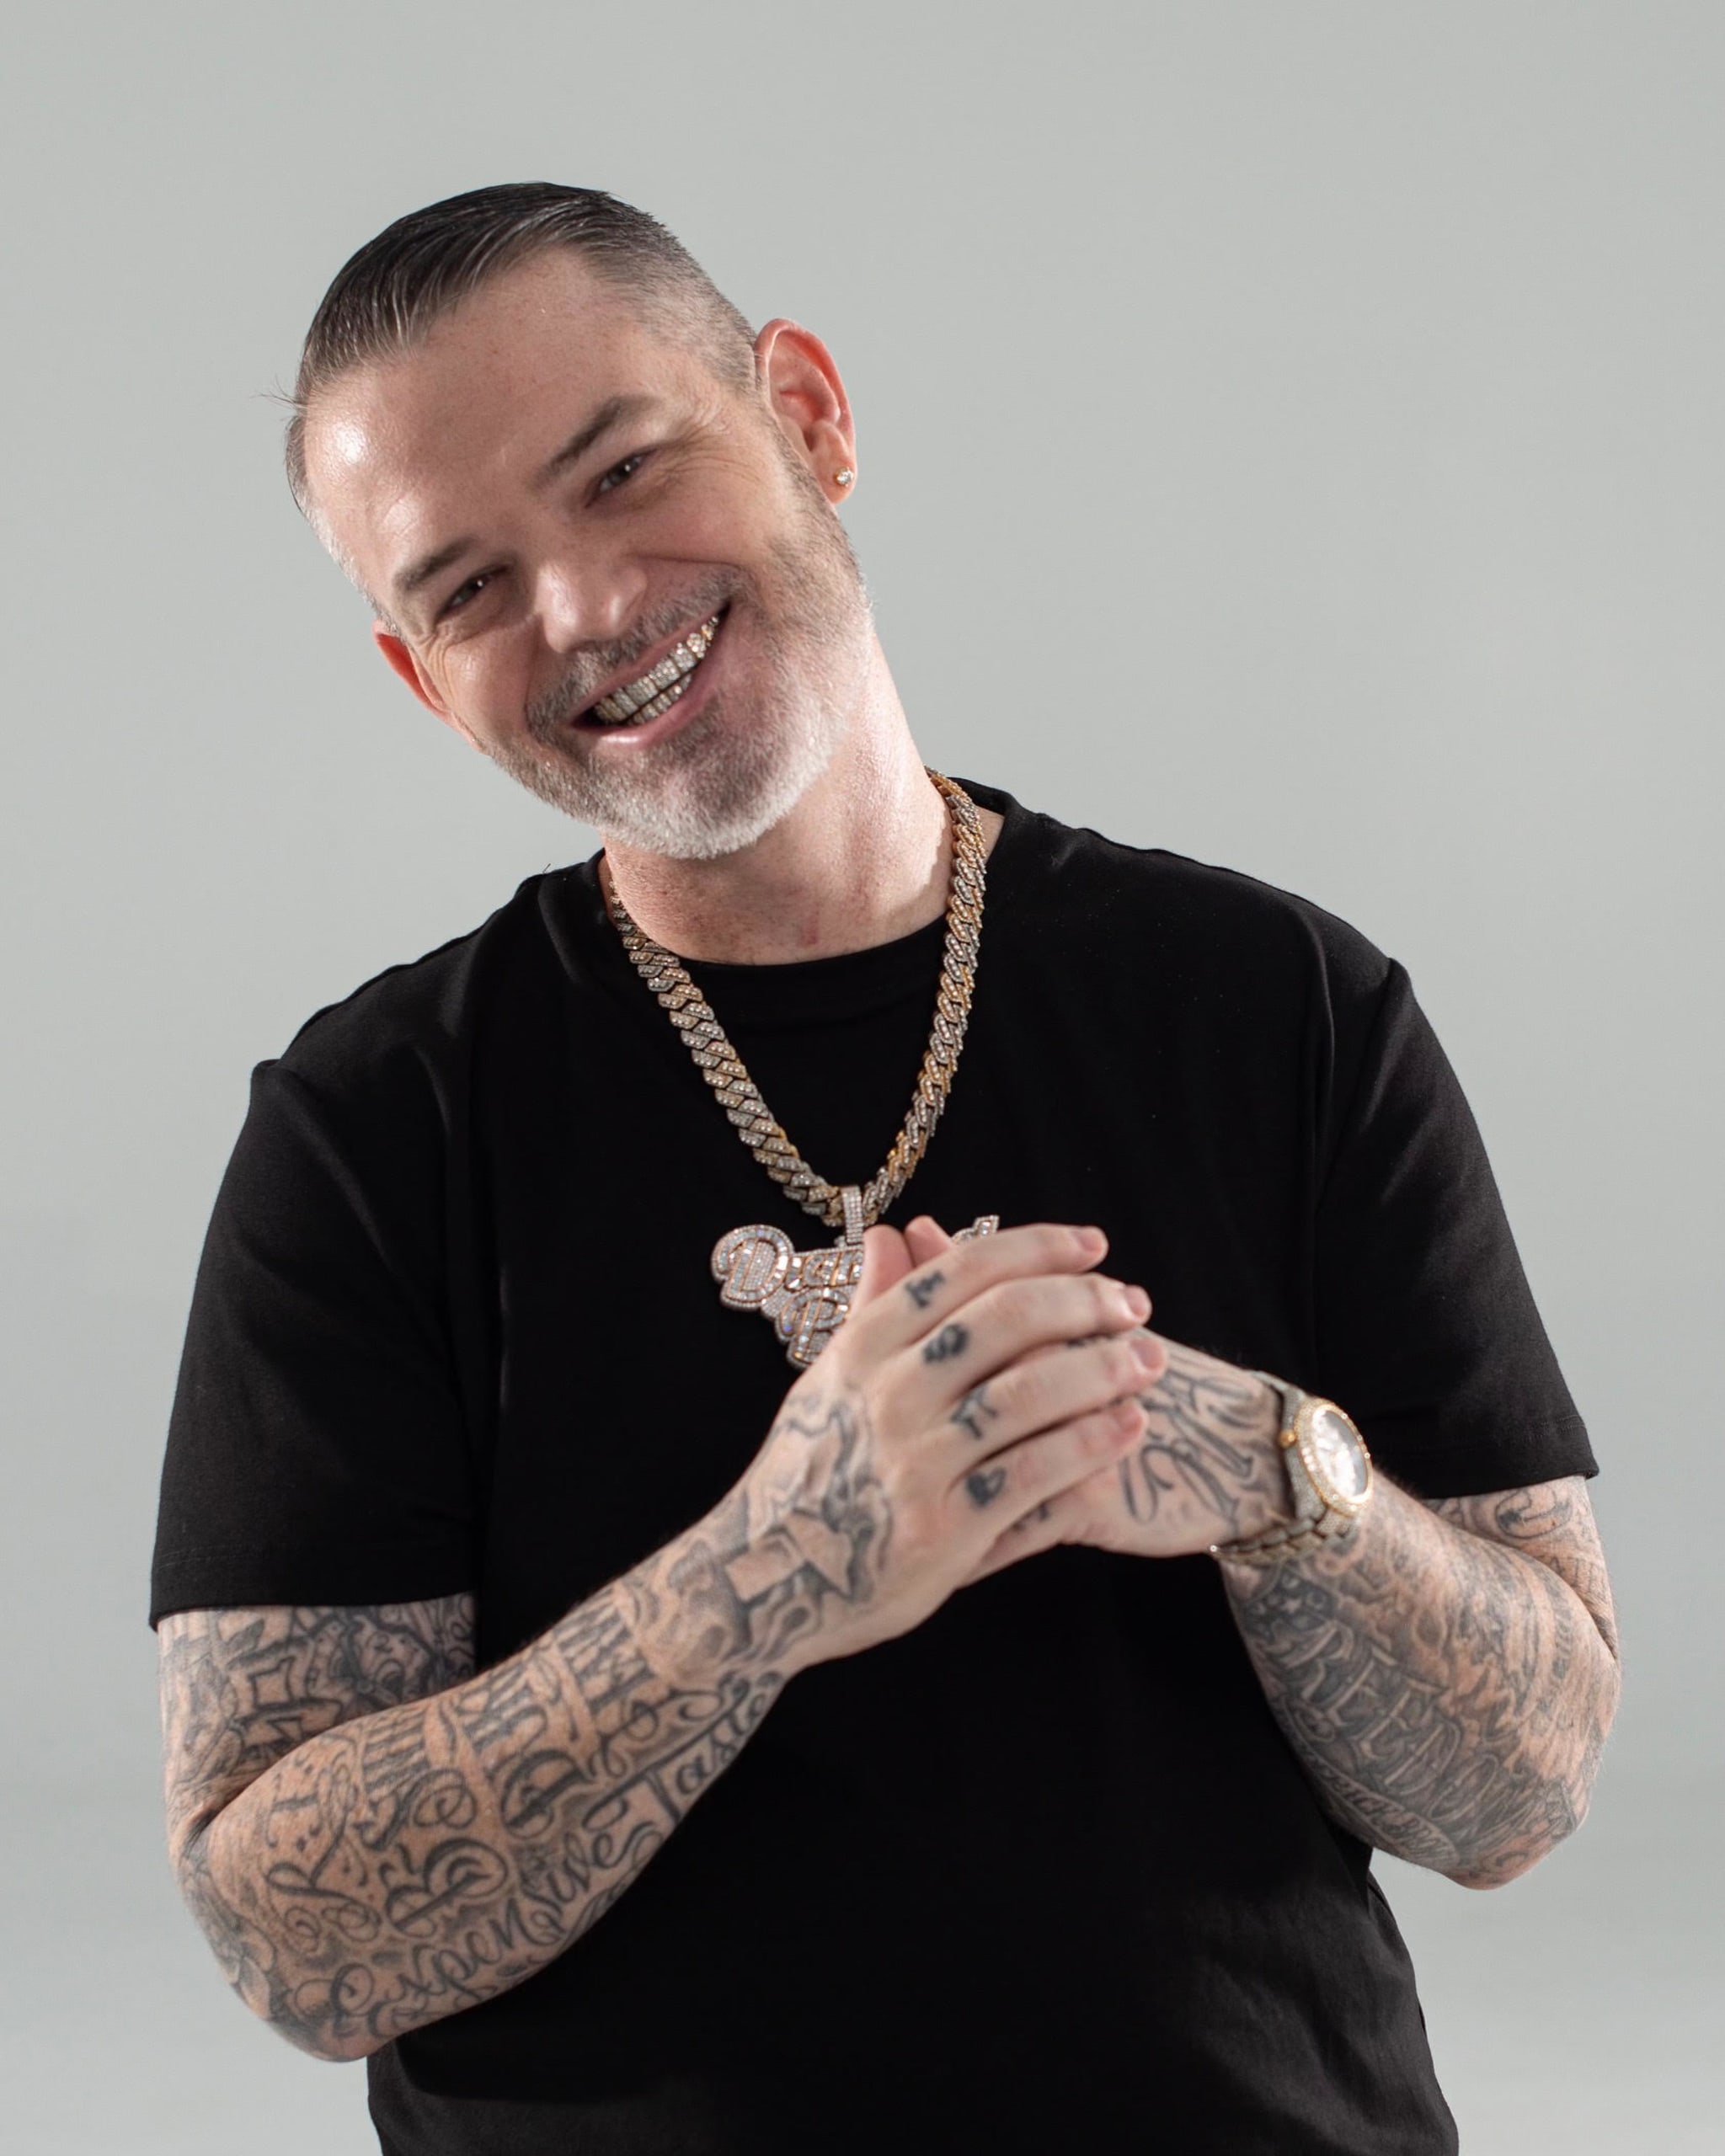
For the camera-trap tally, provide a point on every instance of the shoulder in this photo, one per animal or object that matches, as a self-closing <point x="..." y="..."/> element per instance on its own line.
<point x="1204" y="926"/>
<point x="414" y="1023"/>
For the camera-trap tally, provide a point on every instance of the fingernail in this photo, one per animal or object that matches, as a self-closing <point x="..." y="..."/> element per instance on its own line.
<point x="1138" y="1303"/>
<point x="1149" y="1351"/>
<point x="1092" y="1241"/>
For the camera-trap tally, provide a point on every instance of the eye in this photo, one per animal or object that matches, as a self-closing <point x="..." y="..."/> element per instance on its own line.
<point x="465" y="594"/>
<point x="619" y="474"/>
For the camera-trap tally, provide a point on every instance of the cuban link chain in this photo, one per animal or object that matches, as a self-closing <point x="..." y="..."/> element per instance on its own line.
<point x="807" y="1294"/>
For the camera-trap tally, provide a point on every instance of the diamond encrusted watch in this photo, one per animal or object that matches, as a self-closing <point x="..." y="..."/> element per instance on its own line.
<point x="1329" y="1477"/>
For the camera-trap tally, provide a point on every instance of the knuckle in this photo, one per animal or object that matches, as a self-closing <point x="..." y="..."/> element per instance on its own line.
<point x="1106" y="1430"/>
<point x="994" y="1307"/>
<point x="1014" y="1302"/>
<point x="1013" y="1393"/>
<point x="1123" y="1368"/>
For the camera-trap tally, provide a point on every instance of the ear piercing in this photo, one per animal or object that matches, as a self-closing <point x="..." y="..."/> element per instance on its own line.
<point x="843" y="475"/>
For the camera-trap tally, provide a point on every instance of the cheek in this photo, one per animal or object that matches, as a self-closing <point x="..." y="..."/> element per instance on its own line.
<point x="488" y="682"/>
<point x="717" y="509"/>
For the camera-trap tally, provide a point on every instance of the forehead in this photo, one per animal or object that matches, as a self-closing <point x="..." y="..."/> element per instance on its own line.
<point x="395" y="448"/>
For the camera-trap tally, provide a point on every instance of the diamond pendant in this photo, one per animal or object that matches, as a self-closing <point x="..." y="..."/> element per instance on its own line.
<point x="805" y="1294"/>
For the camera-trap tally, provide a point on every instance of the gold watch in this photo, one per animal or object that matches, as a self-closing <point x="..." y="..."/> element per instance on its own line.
<point x="1329" y="1477"/>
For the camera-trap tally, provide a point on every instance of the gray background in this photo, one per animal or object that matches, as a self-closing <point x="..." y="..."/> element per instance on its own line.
<point x="1289" y="434"/>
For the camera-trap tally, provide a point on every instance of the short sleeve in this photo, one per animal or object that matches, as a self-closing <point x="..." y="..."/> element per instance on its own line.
<point x="1426" y="1328"/>
<point x="317" y="1451"/>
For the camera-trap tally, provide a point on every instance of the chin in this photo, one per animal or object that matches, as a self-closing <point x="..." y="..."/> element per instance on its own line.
<point x="697" y="797"/>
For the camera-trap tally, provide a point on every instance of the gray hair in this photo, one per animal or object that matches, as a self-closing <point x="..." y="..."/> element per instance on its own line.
<point x="422" y="267"/>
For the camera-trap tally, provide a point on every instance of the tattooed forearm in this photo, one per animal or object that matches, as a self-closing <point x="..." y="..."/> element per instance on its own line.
<point x="372" y="1837"/>
<point x="1448" y="1681"/>
<point x="241" y="1687"/>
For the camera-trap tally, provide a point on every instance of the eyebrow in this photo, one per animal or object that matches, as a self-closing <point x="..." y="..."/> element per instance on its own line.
<point x="611" y="414"/>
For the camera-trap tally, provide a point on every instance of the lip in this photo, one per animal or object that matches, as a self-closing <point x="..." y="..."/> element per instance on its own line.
<point x="625" y="739"/>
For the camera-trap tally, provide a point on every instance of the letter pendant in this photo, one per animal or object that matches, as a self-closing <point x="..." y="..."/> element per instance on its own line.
<point x="806" y="1294"/>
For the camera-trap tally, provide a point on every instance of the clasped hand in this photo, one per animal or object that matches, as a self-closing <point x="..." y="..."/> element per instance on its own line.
<point x="984" y="1401"/>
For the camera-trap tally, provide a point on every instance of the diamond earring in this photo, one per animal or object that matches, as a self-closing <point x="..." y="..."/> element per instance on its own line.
<point x="843" y="475"/>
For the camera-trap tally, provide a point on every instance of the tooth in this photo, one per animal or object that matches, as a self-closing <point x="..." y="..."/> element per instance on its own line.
<point x="631" y="700"/>
<point x="663" y="702"/>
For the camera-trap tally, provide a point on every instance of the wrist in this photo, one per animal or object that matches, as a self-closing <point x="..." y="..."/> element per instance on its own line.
<point x="1266" y="1503"/>
<point x="749" y="1579"/>
<point x="1325" y="1476"/>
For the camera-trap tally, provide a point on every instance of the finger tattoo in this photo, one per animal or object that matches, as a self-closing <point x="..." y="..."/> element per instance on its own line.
<point x="951" y="1339"/>
<point x="972" y="1411"/>
<point x="984" y="1485"/>
<point x="921" y="1291"/>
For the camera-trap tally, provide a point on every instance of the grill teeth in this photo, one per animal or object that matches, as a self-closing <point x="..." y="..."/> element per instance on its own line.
<point x="655" y="687"/>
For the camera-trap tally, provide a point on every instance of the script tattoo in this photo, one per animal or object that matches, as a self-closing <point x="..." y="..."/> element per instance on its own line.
<point x="951" y="1339"/>
<point x="1450" y="1697"/>
<point x="1203" y="1443"/>
<point x="243" y="1687"/>
<point x="373" y="1836"/>
<point x="793" y="1542"/>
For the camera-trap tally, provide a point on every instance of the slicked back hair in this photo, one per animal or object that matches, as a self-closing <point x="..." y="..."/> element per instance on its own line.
<point x="385" y="297"/>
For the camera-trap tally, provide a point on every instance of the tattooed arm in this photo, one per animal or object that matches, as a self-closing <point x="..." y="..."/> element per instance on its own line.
<point x="1447" y="1676"/>
<point x="373" y="1836"/>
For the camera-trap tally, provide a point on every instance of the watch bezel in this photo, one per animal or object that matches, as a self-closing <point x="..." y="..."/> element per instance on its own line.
<point x="1299" y="1439"/>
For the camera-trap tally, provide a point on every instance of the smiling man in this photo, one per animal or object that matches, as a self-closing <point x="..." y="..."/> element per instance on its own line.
<point x="665" y="1646"/>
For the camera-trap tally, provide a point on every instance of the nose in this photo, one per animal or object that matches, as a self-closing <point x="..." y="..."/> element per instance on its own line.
<point x="584" y="598"/>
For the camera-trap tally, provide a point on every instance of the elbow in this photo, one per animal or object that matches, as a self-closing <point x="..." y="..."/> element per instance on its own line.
<point x="322" y="2043"/>
<point x="1496" y="1871"/>
<point x="1558" y="1805"/>
<point x="251" y="1959"/>
<point x="318" y="2039"/>
<point x="1482" y="1872"/>
<point x="1563" y="1807"/>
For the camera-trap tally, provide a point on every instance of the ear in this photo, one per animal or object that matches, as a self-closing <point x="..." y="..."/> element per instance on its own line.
<point x="402" y="662"/>
<point x="807" y="398"/>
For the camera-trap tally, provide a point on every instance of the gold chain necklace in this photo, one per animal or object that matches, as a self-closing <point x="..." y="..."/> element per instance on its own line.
<point x="807" y="1294"/>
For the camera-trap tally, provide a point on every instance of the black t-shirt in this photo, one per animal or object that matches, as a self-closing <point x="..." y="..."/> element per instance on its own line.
<point x="1043" y="1873"/>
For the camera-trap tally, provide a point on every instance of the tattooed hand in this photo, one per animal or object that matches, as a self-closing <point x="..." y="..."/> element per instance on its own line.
<point x="930" y="1426"/>
<point x="1203" y="1469"/>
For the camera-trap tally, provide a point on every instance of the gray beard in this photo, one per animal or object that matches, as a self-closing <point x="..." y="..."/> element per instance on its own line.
<point x="713" y="789"/>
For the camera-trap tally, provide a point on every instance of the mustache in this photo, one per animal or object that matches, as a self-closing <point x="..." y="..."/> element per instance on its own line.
<point x="588" y="674"/>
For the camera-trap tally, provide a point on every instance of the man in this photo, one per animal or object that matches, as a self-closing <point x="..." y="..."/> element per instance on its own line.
<point x="971" y="1732"/>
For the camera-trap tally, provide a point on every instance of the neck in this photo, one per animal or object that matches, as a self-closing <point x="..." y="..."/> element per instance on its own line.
<point x="862" y="858"/>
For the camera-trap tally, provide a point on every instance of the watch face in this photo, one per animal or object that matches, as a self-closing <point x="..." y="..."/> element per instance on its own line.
<point x="1337" y="1458"/>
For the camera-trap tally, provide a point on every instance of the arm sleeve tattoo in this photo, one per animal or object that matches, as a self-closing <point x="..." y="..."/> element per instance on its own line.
<point x="1449" y="1676"/>
<point x="373" y="1836"/>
